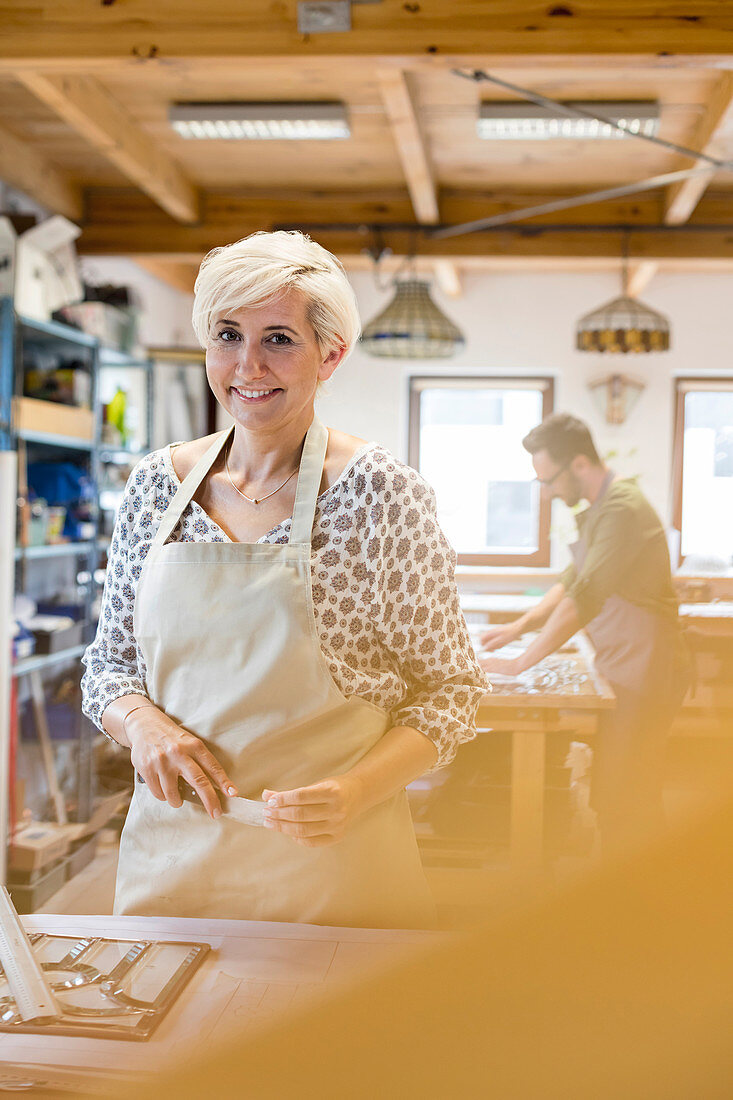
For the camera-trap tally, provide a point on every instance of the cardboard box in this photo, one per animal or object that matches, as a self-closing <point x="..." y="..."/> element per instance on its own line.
<point x="32" y="415"/>
<point x="36" y="845"/>
<point x="104" y="809"/>
<point x="46" y="275"/>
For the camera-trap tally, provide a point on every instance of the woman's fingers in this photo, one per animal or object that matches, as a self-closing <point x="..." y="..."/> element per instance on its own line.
<point x="214" y="769"/>
<point x="198" y="779"/>
<point x="169" y="785"/>
<point x="298" y="815"/>
<point x="303" y="830"/>
<point x="301" y="796"/>
<point x="153" y="785"/>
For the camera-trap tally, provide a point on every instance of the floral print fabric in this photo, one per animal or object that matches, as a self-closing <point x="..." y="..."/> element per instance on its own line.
<point x="385" y="600"/>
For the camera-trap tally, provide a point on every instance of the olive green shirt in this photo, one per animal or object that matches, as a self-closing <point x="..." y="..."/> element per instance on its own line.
<point x="627" y="555"/>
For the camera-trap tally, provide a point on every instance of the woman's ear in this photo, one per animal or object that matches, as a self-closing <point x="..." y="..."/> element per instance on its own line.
<point x="330" y="362"/>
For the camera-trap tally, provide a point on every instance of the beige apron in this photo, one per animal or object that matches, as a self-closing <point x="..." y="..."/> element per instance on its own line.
<point x="635" y="648"/>
<point x="229" y="640"/>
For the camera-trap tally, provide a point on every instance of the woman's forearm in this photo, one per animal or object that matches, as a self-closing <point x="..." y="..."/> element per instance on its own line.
<point x="114" y="715"/>
<point x="400" y="756"/>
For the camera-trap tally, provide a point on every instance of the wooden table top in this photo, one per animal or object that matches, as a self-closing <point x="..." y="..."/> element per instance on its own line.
<point x="256" y="971"/>
<point x="563" y="680"/>
<point x="514" y="603"/>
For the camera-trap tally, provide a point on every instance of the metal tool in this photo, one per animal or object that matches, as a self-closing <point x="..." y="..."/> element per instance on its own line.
<point x="31" y="991"/>
<point x="109" y="984"/>
<point x="247" y="811"/>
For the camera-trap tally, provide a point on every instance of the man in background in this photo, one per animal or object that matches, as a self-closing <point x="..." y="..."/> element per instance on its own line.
<point x="619" y="589"/>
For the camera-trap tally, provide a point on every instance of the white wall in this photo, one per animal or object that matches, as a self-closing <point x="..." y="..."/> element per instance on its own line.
<point x="514" y="324"/>
<point x="525" y="324"/>
<point x="166" y="313"/>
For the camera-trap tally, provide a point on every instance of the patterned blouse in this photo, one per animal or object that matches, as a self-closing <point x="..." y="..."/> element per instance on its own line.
<point x="384" y="594"/>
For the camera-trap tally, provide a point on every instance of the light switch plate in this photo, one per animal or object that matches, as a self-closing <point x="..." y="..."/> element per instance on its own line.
<point x="316" y="17"/>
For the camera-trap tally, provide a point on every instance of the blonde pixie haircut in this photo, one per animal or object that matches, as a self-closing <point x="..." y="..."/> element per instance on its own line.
<point x="261" y="267"/>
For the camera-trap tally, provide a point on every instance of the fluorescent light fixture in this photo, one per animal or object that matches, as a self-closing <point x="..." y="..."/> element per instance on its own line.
<point x="260" y="121"/>
<point x="529" y="122"/>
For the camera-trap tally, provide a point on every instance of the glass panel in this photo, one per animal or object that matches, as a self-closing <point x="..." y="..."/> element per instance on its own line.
<point x="707" y="474"/>
<point x="471" y="453"/>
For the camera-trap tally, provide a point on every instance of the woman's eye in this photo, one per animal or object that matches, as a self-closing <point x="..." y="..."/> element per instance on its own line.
<point x="225" y="335"/>
<point x="280" y="338"/>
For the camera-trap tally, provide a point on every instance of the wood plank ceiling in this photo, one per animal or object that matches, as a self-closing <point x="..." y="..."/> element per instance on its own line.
<point x="85" y="90"/>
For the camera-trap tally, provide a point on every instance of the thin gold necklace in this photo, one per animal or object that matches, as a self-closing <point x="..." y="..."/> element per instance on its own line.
<point x="253" y="500"/>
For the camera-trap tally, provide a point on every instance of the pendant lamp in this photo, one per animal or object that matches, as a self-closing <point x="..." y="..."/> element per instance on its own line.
<point x="623" y="325"/>
<point x="412" y="326"/>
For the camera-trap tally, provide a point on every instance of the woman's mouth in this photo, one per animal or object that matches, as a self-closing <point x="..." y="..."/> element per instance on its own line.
<point x="254" y="397"/>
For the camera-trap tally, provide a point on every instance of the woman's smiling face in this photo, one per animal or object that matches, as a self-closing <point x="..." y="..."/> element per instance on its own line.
<point x="264" y="362"/>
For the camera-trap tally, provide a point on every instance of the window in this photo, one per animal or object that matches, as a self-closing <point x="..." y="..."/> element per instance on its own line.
<point x="703" y="467"/>
<point x="466" y="440"/>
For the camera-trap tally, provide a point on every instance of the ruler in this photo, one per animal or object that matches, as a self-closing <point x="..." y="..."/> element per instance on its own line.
<point x="32" y="993"/>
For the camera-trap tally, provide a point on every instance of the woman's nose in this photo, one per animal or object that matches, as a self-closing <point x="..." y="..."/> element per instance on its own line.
<point x="251" y="360"/>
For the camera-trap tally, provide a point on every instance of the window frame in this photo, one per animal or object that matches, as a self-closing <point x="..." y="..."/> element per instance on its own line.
<point x="546" y="384"/>
<point x="684" y="384"/>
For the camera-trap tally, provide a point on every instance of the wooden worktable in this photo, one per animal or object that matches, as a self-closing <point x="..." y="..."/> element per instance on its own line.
<point x="257" y="971"/>
<point x="530" y="710"/>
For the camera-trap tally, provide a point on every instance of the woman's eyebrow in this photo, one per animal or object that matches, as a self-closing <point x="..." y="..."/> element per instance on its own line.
<point x="268" y="328"/>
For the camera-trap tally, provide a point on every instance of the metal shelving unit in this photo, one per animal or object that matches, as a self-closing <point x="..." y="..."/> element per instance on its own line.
<point x="23" y="339"/>
<point x="46" y="660"/>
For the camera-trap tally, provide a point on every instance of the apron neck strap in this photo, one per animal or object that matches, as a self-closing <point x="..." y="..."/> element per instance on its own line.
<point x="187" y="489"/>
<point x="309" y="482"/>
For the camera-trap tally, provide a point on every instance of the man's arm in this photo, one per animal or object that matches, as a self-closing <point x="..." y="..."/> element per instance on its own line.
<point x="561" y="625"/>
<point x="537" y="616"/>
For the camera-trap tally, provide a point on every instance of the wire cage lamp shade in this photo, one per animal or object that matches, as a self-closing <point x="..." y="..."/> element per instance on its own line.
<point x="412" y="326"/>
<point x="623" y="325"/>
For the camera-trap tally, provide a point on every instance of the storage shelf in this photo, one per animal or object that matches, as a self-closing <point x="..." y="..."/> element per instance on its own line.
<point x="59" y="331"/>
<point x="43" y="660"/>
<point x="120" y="455"/>
<point x="50" y="439"/>
<point x="110" y="357"/>
<point x="55" y="550"/>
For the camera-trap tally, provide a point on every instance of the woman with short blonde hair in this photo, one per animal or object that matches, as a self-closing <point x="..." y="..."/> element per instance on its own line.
<point x="281" y="646"/>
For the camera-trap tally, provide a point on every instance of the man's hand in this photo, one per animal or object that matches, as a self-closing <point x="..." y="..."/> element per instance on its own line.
<point x="497" y="636"/>
<point x="314" y="816"/>
<point x="161" y="751"/>
<point x="503" y="665"/>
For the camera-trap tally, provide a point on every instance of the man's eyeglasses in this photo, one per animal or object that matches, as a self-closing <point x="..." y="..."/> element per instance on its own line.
<point x="547" y="481"/>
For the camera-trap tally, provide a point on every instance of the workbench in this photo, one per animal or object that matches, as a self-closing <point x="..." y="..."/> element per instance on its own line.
<point x="561" y="692"/>
<point x="256" y="971"/>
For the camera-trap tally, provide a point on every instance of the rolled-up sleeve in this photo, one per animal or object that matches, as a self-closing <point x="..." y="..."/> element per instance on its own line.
<point x="612" y="552"/>
<point x="419" y="618"/>
<point x="111" y="663"/>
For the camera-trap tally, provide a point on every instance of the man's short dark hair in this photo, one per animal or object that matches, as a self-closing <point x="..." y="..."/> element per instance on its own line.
<point x="563" y="437"/>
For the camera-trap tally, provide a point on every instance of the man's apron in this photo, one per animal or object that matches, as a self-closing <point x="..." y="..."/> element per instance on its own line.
<point x="635" y="648"/>
<point x="229" y="639"/>
<point x="643" y="657"/>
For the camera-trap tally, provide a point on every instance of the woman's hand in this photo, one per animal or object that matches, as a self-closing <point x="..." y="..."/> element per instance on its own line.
<point x="497" y="636"/>
<point x="317" y="815"/>
<point x="161" y="751"/>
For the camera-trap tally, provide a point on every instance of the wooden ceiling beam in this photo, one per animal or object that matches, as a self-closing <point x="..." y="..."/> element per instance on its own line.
<point x="177" y="274"/>
<point x="86" y="105"/>
<point x="448" y="278"/>
<point x="23" y="167"/>
<point x="398" y="96"/>
<point x="640" y="275"/>
<point x="123" y="222"/>
<point x="79" y="31"/>
<point x="682" y="198"/>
